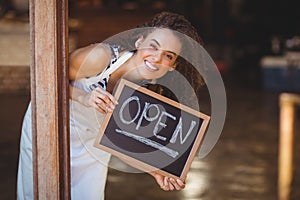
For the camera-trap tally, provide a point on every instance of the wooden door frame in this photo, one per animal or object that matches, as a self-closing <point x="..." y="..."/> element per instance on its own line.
<point x="50" y="98"/>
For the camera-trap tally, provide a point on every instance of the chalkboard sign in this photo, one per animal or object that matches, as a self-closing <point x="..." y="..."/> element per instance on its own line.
<point x="152" y="132"/>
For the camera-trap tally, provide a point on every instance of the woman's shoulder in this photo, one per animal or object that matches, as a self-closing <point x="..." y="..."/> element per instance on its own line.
<point x="100" y="49"/>
<point x="92" y="51"/>
<point x="90" y="59"/>
<point x="110" y="51"/>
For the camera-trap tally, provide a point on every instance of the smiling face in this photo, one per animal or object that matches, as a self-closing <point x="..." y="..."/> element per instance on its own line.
<point x="156" y="54"/>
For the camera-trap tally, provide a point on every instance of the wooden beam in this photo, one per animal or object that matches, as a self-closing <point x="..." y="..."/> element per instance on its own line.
<point x="288" y="103"/>
<point x="50" y="100"/>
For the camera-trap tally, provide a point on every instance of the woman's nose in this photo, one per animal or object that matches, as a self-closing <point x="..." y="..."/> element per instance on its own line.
<point x="157" y="56"/>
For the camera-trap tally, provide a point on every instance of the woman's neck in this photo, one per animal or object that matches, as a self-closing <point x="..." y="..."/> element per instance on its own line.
<point x="126" y="71"/>
<point x="122" y="72"/>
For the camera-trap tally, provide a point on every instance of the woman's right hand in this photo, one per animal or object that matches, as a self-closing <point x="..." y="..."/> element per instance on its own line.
<point x="101" y="100"/>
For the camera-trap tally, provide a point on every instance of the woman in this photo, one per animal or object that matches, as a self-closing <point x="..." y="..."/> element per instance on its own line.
<point x="94" y="72"/>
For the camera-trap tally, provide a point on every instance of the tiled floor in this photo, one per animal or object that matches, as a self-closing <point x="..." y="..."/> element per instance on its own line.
<point x="243" y="164"/>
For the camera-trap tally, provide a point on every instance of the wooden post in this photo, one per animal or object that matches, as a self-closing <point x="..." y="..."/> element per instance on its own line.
<point x="286" y="143"/>
<point x="49" y="96"/>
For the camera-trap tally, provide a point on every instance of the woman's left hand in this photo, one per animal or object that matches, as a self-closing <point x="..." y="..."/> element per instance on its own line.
<point x="168" y="183"/>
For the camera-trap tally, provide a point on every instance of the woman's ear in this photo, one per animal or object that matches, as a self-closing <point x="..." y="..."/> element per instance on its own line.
<point x="138" y="42"/>
<point x="172" y="68"/>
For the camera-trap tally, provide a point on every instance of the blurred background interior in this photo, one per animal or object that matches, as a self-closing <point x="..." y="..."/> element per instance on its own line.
<point x="256" y="47"/>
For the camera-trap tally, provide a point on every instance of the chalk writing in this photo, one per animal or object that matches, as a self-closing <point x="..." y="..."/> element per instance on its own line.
<point x="149" y="142"/>
<point x="160" y="115"/>
<point x="179" y="129"/>
<point x="122" y="109"/>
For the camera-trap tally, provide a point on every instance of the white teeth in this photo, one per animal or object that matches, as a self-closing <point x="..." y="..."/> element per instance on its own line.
<point x="151" y="66"/>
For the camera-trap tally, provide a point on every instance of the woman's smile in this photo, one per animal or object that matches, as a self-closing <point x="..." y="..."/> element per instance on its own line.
<point x="150" y="66"/>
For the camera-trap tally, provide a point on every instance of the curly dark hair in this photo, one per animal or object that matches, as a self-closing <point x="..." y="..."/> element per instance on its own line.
<point x="174" y="22"/>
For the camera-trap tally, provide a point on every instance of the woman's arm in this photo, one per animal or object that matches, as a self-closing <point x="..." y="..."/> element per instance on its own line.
<point x="88" y="61"/>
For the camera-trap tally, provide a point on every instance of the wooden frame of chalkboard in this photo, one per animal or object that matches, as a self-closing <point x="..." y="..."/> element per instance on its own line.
<point x="152" y="132"/>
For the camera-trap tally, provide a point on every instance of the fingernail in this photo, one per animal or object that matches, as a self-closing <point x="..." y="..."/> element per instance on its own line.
<point x="172" y="180"/>
<point x="180" y="182"/>
<point x="172" y="187"/>
<point x="166" y="181"/>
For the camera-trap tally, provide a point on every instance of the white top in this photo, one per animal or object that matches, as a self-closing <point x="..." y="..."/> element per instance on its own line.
<point x="85" y="122"/>
<point x="90" y="83"/>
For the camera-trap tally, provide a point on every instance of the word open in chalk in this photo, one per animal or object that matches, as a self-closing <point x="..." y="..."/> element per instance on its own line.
<point x="152" y="131"/>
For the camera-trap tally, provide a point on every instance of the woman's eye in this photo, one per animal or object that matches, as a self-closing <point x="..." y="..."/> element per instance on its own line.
<point x="170" y="57"/>
<point x="153" y="46"/>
